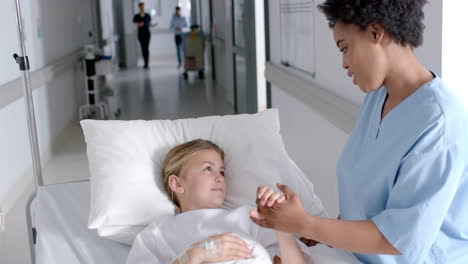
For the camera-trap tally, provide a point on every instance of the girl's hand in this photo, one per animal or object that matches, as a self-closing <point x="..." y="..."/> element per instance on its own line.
<point x="268" y="197"/>
<point x="224" y="247"/>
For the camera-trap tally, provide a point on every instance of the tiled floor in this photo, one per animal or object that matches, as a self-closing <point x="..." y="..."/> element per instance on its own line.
<point x="157" y="93"/>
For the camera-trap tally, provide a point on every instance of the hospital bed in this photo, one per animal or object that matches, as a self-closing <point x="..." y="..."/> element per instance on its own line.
<point x="61" y="213"/>
<point x="61" y="218"/>
<point x="61" y="222"/>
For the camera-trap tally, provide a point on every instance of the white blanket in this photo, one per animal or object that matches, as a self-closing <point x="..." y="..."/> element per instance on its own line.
<point x="162" y="242"/>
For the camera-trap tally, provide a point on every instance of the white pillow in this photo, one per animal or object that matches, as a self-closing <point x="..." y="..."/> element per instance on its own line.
<point x="125" y="159"/>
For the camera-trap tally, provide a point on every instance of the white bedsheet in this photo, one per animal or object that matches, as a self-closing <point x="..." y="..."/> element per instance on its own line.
<point x="61" y="219"/>
<point x="162" y="242"/>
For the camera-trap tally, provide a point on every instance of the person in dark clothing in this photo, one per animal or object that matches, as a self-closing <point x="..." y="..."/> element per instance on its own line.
<point x="143" y="21"/>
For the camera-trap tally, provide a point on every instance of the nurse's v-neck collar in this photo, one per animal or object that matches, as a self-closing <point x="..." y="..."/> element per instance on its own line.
<point x="379" y="122"/>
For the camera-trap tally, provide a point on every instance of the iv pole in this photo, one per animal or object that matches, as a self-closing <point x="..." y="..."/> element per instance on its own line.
<point x="23" y="62"/>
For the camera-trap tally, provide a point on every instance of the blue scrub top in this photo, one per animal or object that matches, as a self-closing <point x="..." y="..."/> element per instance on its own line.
<point x="409" y="175"/>
<point x="178" y="22"/>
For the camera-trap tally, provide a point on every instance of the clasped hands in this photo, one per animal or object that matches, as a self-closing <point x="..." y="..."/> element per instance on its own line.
<point x="281" y="211"/>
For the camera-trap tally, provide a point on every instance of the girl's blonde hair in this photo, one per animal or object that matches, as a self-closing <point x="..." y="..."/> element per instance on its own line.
<point x="178" y="157"/>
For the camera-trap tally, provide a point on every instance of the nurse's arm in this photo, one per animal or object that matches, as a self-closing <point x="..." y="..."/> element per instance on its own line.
<point x="356" y="236"/>
<point x="290" y="216"/>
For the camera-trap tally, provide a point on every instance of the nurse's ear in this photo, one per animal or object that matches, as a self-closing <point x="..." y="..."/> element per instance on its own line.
<point x="175" y="184"/>
<point x="376" y="32"/>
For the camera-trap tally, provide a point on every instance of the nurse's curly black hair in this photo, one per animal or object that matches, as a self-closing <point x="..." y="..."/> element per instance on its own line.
<point x="402" y="19"/>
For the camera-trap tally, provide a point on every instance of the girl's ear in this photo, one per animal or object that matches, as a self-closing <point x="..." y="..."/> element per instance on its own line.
<point x="175" y="184"/>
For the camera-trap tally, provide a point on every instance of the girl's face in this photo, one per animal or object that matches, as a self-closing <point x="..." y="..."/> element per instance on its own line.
<point x="201" y="184"/>
<point x="363" y="54"/>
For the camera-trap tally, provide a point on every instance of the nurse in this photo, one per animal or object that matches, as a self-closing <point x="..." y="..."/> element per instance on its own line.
<point x="403" y="174"/>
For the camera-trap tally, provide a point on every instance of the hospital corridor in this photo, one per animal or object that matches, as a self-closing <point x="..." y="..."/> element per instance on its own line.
<point x="160" y="93"/>
<point x="233" y="131"/>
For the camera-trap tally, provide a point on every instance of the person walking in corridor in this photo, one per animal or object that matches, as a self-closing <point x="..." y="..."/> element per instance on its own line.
<point x="143" y="21"/>
<point x="178" y="22"/>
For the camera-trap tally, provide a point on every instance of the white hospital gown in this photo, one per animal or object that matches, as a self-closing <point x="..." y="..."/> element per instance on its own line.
<point x="162" y="242"/>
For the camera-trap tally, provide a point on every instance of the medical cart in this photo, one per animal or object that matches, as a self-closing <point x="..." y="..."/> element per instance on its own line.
<point x="194" y="52"/>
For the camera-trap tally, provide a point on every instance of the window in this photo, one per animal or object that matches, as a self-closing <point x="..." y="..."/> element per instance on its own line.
<point x="297" y="34"/>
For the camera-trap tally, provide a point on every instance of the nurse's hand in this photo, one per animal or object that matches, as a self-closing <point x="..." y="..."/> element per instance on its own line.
<point x="308" y="242"/>
<point x="277" y="260"/>
<point x="287" y="216"/>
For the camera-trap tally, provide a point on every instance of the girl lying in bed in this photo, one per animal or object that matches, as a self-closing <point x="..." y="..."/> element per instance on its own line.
<point x="203" y="232"/>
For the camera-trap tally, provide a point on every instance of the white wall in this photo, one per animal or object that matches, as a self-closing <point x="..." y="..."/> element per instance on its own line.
<point x="260" y="54"/>
<point x="222" y="39"/>
<point x="313" y="141"/>
<point x="9" y="71"/>
<point x="129" y="34"/>
<point x="108" y="27"/>
<point x="52" y="31"/>
<point x="454" y="52"/>
<point x="329" y="73"/>
<point x="55" y="30"/>
<point x="205" y="15"/>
